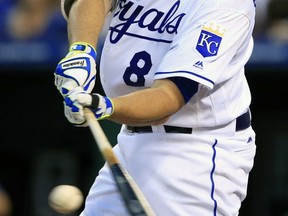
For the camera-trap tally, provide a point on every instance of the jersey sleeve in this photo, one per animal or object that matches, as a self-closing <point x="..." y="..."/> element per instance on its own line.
<point x="204" y="50"/>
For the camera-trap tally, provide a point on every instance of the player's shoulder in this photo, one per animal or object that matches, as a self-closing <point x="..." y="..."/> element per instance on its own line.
<point x="245" y="7"/>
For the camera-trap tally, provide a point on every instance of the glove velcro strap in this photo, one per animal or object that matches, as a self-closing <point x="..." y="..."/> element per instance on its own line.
<point x="95" y="101"/>
<point x="102" y="106"/>
<point x="83" y="47"/>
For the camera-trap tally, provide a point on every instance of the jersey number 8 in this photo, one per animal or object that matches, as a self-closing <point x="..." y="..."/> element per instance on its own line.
<point x="140" y="66"/>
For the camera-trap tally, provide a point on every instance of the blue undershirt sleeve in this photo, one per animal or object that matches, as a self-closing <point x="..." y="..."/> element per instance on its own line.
<point x="186" y="86"/>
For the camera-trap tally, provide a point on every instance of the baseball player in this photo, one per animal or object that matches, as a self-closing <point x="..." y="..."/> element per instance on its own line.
<point x="173" y="76"/>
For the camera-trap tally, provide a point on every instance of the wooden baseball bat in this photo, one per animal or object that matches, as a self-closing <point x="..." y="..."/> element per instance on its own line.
<point x="134" y="199"/>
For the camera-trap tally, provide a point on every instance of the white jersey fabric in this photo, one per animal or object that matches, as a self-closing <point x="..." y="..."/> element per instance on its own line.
<point x="191" y="39"/>
<point x="204" y="173"/>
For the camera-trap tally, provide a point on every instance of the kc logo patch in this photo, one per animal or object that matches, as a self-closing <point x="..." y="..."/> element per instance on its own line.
<point x="210" y="39"/>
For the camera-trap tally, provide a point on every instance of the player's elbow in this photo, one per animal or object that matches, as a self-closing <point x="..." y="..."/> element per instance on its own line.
<point x="66" y="6"/>
<point x="173" y="99"/>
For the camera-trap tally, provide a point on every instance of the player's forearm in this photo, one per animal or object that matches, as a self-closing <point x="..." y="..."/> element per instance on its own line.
<point x="148" y="107"/>
<point x="86" y="19"/>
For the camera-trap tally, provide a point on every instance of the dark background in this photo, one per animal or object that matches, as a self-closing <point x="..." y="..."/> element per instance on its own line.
<point x="39" y="149"/>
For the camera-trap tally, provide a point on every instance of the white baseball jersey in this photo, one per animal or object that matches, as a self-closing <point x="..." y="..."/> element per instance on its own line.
<point x="204" y="172"/>
<point x="149" y="40"/>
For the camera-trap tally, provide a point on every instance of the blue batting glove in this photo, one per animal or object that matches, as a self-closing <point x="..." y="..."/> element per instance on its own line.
<point x="78" y="98"/>
<point x="101" y="106"/>
<point x="78" y="68"/>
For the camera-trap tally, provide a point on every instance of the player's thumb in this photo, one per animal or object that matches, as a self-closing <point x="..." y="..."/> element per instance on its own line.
<point x="84" y="99"/>
<point x="67" y="86"/>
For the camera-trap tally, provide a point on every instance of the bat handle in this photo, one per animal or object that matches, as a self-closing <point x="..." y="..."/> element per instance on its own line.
<point x="100" y="137"/>
<point x="117" y="170"/>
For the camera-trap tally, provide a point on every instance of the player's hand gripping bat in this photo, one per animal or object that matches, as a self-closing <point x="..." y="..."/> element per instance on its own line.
<point x="133" y="197"/>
